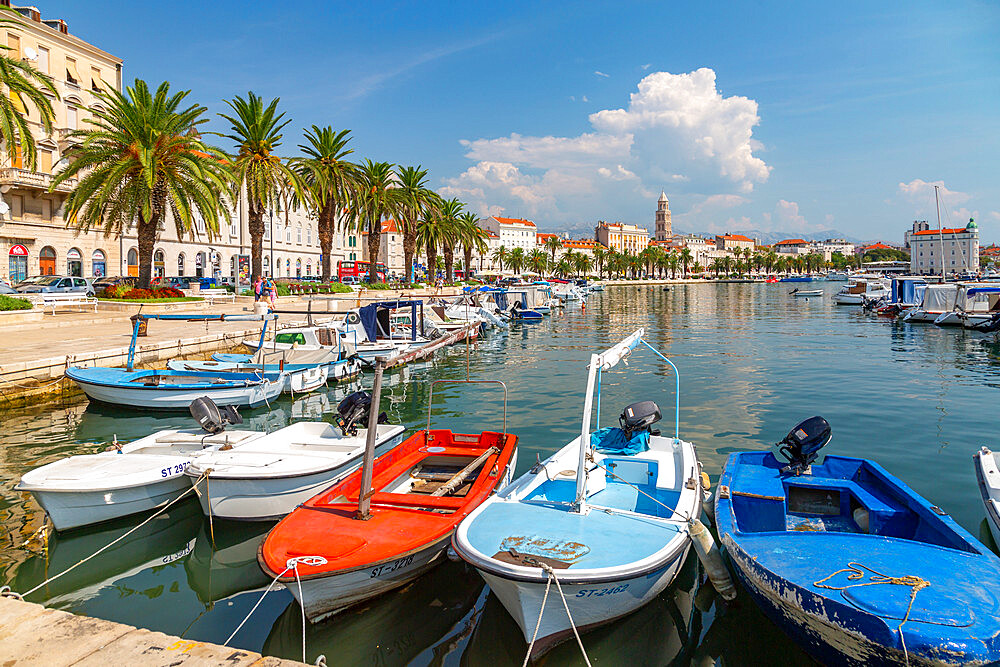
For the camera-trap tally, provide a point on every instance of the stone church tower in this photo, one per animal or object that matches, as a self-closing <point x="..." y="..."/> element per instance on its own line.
<point x="663" y="228"/>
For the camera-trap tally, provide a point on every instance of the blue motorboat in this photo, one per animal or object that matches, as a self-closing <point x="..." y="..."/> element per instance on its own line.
<point x="796" y="279"/>
<point x="852" y="563"/>
<point x="605" y="517"/>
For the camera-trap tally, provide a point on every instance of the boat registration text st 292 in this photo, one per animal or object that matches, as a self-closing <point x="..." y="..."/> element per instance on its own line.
<point x="598" y="592"/>
<point x="391" y="567"/>
<point x="174" y="470"/>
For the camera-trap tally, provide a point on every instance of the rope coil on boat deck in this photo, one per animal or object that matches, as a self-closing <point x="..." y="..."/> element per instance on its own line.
<point x="857" y="571"/>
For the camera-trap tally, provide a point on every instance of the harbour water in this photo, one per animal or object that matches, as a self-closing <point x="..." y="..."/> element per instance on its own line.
<point x="753" y="360"/>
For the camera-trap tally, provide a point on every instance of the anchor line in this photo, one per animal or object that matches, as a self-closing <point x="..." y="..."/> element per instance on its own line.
<point x="550" y="576"/>
<point x="857" y="571"/>
<point x="673" y="510"/>
<point x="117" y="540"/>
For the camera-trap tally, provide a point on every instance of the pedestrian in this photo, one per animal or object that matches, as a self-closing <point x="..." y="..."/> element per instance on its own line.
<point x="272" y="290"/>
<point x="258" y="286"/>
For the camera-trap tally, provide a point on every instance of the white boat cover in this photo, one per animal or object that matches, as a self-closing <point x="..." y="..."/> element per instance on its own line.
<point x="939" y="298"/>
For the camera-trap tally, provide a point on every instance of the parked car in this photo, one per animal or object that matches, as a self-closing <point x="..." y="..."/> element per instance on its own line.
<point x="177" y="282"/>
<point x="55" y="284"/>
<point x="101" y="284"/>
<point x="7" y="289"/>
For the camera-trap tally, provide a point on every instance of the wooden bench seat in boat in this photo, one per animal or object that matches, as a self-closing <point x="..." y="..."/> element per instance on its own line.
<point x="881" y="515"/>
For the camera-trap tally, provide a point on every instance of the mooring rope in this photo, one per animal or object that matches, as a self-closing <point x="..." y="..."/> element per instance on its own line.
<point x="550" y="576"/>
<point x="857" y="571"/>
<point x="117" y="540"/>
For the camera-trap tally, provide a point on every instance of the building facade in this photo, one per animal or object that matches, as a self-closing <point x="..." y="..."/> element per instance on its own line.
<point x="792" y="247"/>
<point x="664" y="229"/>
<point x="943" y="251"/>
<point x="622" y="237"/>
<point x="512" y="232"/>
<point x="390" y="249"/>
<point x="730" y="242"/>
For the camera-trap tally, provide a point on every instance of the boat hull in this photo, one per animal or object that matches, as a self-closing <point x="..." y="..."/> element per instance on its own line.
<point x="73" y="509"/>
<point x="591" y="603"/>
<point x="324" y="596"/>
<point x="268" y="499"/>
<point x="179" y="398"/>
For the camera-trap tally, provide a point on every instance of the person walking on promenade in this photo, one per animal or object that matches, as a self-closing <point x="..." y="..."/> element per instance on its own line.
<point x="271" y="289"/>
<point x="257" y="287"/>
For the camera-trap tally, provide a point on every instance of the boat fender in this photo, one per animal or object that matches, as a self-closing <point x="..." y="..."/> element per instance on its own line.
<point x="452" y="554"/>
<point x="711" y="558"/>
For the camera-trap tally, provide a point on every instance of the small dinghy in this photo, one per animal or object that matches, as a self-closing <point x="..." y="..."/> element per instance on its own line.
<point x="988" y="477"/>
<point x="272" y="475"/>
<point x="384" y="525"/>
<point x="806" y="292"/>
<point x="606" y="520"/>
<point x="297" y="380"/>
<point x="131" y="478"/>
<point x="852" y="563"/>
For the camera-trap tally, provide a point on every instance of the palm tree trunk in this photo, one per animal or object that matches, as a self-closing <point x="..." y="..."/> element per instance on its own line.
<point x="468" y="261"/>
<point x="255" y="225"/>
<point x="146" y="233"/>
<point x="432" y="254"/>
<point x="409" y="250"/>
<point x="449" y="262"/>
<point x="374" y="241"/>
<point x="325" y="230"/>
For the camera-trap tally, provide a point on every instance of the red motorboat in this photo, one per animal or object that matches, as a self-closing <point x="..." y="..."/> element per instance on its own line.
<point x="347" y="546"/>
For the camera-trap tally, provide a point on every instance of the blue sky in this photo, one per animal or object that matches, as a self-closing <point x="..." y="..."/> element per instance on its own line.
<point x="790" y="117"/>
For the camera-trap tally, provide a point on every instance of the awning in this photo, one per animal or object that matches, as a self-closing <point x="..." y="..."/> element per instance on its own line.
<point x="15" y="100"/>
<point x="71" y="71"/>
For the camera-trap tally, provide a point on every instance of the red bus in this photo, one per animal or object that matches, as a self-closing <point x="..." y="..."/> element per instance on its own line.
<point x="359" y="270"/>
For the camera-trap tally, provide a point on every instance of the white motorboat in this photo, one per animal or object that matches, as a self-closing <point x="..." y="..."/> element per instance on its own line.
<point x="988" y="477"/>
<point x="975" y="303"/>
<point x="936" y="300"/>
<point x="273" y="474"/>
<point x="135" y="477"/>
<point x="805" y="293"/>
<point x="861" y="288"/>
<point x="297" y="381"/>
<point x="606" y="516"/>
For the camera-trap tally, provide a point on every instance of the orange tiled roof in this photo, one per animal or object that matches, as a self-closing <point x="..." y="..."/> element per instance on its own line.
<point x="934" y="232"/>
<point x="514" y="221"/>
<point x="792" y="242"/>
<point x="737" y="237"/>
<point x="878" y="246"/>
<point x="541" y="238"/>
<point x="388" y="226"/>
<point x="579" y="243"/>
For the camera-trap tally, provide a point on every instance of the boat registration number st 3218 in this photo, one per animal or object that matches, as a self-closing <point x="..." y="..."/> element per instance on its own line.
<point x="391" y="567"/>
<point x="598" y="592"/>
<point x="174" y="470"/>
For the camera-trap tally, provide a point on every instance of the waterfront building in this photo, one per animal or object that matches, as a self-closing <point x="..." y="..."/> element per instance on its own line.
<point x="390" y="249"/>
<point x="512" y="232"/>
<point x="730" y="242"/>
<point x="622" y="237"/>
<point x="792" y="247"/>
<point x="33" y="233"/>
<point x="580" y="246"/>
<point x="937" y="251"/>
<point x="541" y="238"/>
<point x="664" y="229"/>
<point x="827" y="247"/>
<point x="703" y="250"/>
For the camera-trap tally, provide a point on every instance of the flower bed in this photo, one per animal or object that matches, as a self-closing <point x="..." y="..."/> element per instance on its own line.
<point x="13" y="303"/>
<point x="157" y="295"/>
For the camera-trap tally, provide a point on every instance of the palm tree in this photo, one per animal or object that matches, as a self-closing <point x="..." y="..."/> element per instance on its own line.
<point x="328" y="179"/>
<point x="257" y="170"/>
<point x="142" y="159"/>
<point x="448" y="213"/>
<point x="697" y="268"/>
<point x="674" y="262"/>
<point x="600" y="256"/>
<point x="416" y="198"/>
<point x="570" y="258"/>
<point x="564" y="267"/>
<point x="430" y="233"/>
<point x="685" y="259"/>
<point x="538" y="260"/>
<point x="23" y="83"/>
<point x="516" y="259"/>
<point x="377" y="198"/>
<point x="582" y="264"/>
<point x="717" y="265"/>
<point x="472" y="237"/>
<point x="500" y="256"/>
<point x="553" y="244"/>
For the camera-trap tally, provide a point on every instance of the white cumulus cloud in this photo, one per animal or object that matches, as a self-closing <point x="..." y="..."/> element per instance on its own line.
<point x="676" y="129"/>
<point x="918" y="191"/>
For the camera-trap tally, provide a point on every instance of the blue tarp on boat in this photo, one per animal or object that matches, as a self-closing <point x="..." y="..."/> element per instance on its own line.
<point x="369" y="320"/>
<point x="612" y="440"/>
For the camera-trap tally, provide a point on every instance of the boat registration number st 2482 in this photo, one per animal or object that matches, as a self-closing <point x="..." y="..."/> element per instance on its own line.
<point x="391" y="567"/>
<point x="598" y="592"/>
<point x="174" y="470"/>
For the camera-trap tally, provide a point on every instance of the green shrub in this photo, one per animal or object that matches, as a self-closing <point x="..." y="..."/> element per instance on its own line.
<point x="13" y="303"/>
<point x="283" y="289"/>
<point x="376" y="285"/>
<point x="339" y="288"/>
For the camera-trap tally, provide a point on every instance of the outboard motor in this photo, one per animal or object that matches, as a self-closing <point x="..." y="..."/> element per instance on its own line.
<point x="801" y="446"/>
<point x="639" y="417"/>
<point x="354" y="410"/>
<point x="211" y="417"/>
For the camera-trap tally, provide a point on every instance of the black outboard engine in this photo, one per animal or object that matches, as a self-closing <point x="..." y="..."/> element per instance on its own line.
<point x="639" y="417"/>
<point x="801" y="446"/>
<point x="211" y="417"/>
<point x="354" y="410"/>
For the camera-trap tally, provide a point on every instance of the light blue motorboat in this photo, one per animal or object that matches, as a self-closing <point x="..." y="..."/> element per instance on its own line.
<point x="606" y="521"/>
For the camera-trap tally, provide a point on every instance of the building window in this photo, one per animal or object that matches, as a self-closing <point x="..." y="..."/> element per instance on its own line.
<point x="71" y="117"/>
<point x="180" y="264"/>
<point x="74" y="262"/>
<point x="133" y="262"/>
<point x="298" y="234"/>
<point x="72" y="75"/>
<point x="199" y="265"/>
<point x="288" y="234"/>
<point x="199" y="224"/>
<point x="43" y="60"/>
<point x="14" y="44"/>
<point x="95" y="79"/>
<point x="98" y="264"/>
<point x="309" y="235"/>
<point x="159" y="269"/>
<point x="267" y="265"/>
<point x="44" y="160"/>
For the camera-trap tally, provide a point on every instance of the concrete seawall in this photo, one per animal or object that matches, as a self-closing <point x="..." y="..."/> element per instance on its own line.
<point x="30" y="634"/>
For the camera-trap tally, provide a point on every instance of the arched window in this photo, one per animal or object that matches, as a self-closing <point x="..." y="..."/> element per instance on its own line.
<point x="180" y="264"/>
<point x="277" y="267"/>
<point x="47" y="261"/>
<point x="298" y="268"/>
<point x="309" y="268"/>
<point x="133" y="262"/>
<point x="309" y="235"/>
<point x="288" y="267"/>
<point x="298" y="234"/>
<point x="159" y="264"/>
<point x="74" y="262"/>
<point x="199" y="265"/>
<point x="98" y="264"/>
<point x="267" y="265"/>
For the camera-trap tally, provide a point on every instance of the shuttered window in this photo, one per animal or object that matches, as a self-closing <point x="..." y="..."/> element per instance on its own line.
<point x="14" y="42"/>
<point x="72" y="75"/>
<point x="45" y="161"/>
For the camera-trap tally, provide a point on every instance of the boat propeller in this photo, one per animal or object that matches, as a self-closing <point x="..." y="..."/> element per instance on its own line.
<point x="211" y="417"/>
<point x="802" y="444"/>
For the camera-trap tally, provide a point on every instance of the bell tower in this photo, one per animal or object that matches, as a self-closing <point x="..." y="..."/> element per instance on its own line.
<point x="663" y="228"/>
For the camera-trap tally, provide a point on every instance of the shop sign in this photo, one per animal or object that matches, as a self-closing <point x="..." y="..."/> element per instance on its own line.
<point x="19" y="250"/>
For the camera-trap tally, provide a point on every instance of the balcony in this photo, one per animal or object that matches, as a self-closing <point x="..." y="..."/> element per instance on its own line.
<point x="24" y="178"/>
